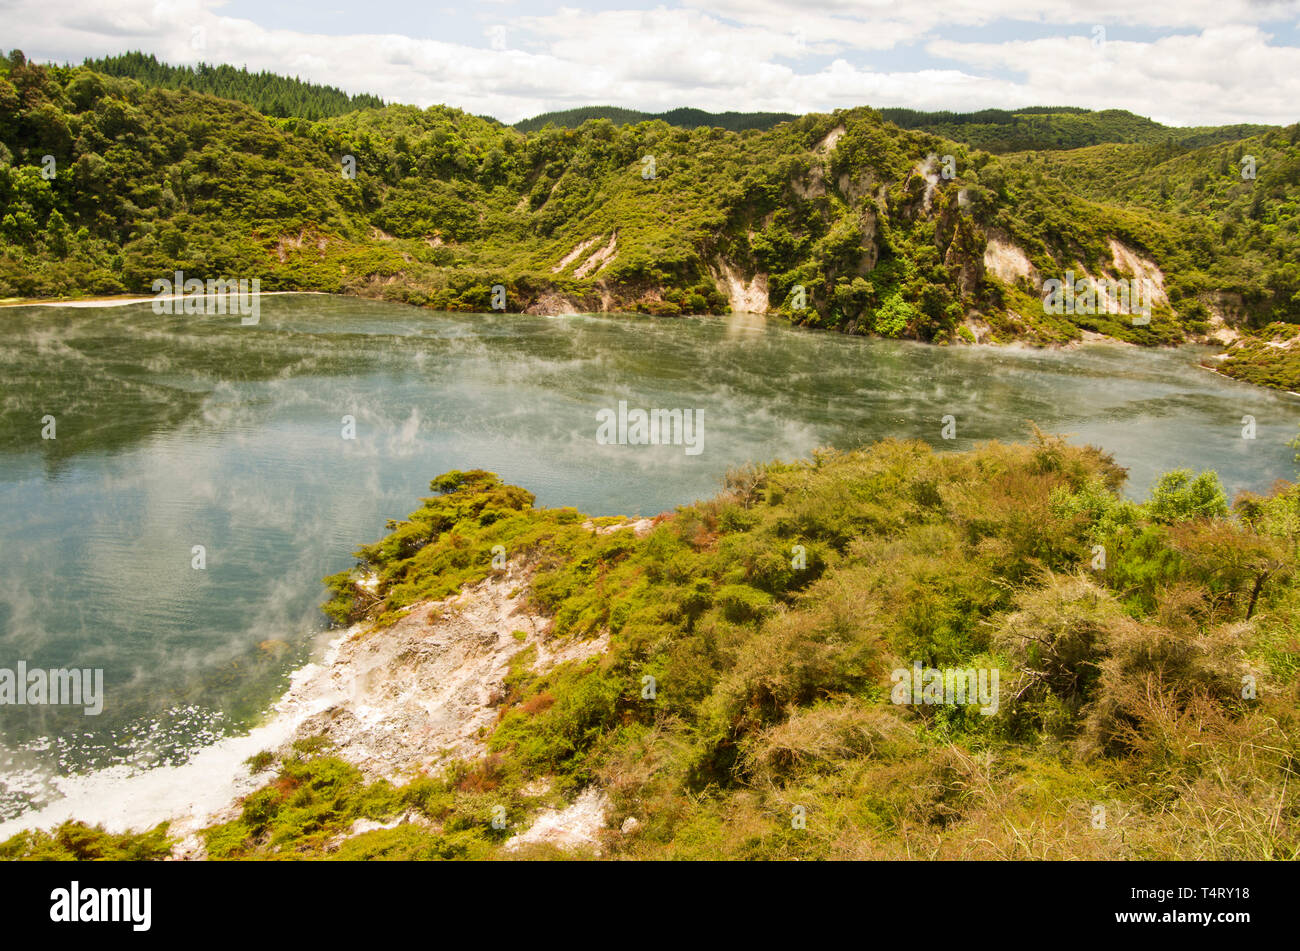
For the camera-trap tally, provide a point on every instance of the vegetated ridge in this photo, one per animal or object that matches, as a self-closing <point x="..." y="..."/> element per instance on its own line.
<point x="840" y="220"/>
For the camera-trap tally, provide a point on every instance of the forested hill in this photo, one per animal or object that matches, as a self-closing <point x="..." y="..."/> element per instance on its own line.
<point x="685" y="118"/>
<point x="266" y="92"/>
<point x="995" y="130"/>
<point x="1060" y="127"/>
<point x="839" y="220"/>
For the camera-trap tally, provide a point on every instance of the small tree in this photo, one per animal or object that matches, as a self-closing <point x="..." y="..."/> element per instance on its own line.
<point x="1178" y="496"/>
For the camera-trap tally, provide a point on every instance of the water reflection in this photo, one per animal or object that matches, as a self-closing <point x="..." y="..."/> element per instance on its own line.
<point x="177" y="431"/>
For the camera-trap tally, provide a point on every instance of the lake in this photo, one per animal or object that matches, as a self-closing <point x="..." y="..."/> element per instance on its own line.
<point x="172" y="432"/>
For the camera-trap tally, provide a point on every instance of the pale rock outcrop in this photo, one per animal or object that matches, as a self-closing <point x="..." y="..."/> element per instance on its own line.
<point x="831" y="139"/>
<point x="576" y="826"/>
<point x="1008" y="263"/>
<point x="573" y="255"/>
<point x="1128" y="263"/>
<point x="745" y="296"/>
<point x="599" y="259"/>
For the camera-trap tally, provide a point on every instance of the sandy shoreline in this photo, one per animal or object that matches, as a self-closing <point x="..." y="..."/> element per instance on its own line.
<point x="123" y="300"/>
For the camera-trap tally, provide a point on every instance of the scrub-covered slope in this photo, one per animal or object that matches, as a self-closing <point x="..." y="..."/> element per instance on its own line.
<point x="759" y="676"/>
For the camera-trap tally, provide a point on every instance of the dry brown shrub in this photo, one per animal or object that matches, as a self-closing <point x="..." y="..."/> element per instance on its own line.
<point x="1151" y="671"/>
<point x="820" y="738"/>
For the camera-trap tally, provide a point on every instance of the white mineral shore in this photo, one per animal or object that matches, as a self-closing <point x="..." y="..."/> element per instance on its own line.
<point x="397" y="702"/>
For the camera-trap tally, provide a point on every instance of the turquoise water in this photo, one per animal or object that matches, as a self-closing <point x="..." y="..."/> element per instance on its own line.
<point x="179" y="431"/>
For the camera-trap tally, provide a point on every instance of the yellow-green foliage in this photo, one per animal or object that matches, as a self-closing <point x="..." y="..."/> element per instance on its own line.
<point x="448" y="542"/>
<point x="1270" y="357"/>
<point x="1122" y="686"/>
<point x="445" y="205"/>
<point x="1159" y="684"/>
<point x="76" y="841"/>
<point x="312" y="805"/>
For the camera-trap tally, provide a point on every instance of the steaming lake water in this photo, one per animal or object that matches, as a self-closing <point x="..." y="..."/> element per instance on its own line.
<point x="173" y="432"/>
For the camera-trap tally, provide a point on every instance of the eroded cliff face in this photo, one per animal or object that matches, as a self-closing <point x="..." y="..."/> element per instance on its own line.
<point x="405" y="698"/>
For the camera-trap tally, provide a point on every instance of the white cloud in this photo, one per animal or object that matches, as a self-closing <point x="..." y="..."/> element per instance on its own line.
<point x="1221" y="75"/>
<point x="746" y="54"/>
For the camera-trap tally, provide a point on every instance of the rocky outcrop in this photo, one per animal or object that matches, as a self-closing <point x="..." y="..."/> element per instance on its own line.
<point x="406" y="698"/>
<point x="1007" y="262"/>
<point x="746" y="296"/>
<point x="578" y="825"/>
<point x="573" y="255"/>
<point x="599" y="259"/>
<point x="831" y="139"/>
<point x="553" y="304"/>
<point x="1130" y="264"/>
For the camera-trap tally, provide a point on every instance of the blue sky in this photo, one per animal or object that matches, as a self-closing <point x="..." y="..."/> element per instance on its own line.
<point x="1184" y="62"/>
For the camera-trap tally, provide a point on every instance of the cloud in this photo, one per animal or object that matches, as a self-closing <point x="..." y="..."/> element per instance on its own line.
<point x="746" y="54"/>
<point x="1221" y="75"/>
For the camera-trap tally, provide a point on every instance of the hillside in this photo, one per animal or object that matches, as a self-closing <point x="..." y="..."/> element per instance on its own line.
<point x="1042" y="128"/>
<point x="873" y="229"/>
<point x="723" y="683"/>
<point x="266" y="92"/>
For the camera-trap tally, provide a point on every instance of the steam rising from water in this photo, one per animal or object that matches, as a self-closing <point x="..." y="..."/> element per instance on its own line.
<point x="183" y="431"/>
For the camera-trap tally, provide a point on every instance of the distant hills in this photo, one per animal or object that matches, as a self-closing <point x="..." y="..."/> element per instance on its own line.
<point x="1060" y="127"/>
<point x="1032" y="128"/>
<point x="685" y="118"/>
<point x="995" y="130"/>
